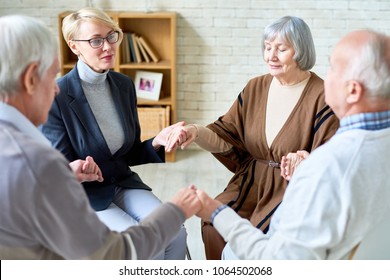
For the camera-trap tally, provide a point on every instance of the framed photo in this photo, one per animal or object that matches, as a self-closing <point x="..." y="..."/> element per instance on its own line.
<point x="148" y="84"/>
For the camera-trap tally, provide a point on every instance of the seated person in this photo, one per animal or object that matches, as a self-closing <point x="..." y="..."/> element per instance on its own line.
<point x="341" y="191"/>
<point x="44" y="211"/>
<point x="95" y="114"/>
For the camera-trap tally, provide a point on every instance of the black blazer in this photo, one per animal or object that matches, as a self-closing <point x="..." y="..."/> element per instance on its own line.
<point x="72" y="129"/>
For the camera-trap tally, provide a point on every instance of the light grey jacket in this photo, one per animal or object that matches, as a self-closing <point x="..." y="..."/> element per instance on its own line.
<point x="45" y="213"/>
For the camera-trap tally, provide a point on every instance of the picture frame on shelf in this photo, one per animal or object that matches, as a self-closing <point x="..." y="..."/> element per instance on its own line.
<point x="148" y="85"/>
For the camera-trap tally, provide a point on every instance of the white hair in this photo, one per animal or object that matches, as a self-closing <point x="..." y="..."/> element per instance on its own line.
<point x="295" y="31"/>
<point x="371" y="67"/>
<point x="24" y="40"/>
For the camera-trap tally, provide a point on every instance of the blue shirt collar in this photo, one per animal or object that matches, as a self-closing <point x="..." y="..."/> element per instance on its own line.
<point x="365" y="121"/>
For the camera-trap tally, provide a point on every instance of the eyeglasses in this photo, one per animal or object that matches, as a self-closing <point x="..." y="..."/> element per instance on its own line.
<point x="96" y="43"/>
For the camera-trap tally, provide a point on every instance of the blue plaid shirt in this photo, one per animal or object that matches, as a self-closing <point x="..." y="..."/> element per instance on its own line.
<point x="366" y="121"/>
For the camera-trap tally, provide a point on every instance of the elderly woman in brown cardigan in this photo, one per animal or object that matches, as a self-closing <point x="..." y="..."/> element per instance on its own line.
<point x="275" y="114"/>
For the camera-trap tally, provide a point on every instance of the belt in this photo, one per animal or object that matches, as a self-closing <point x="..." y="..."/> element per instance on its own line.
<point x="270" y="163"/>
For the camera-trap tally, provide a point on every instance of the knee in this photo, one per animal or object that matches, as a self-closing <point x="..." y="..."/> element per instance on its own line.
<point x="182" y="235"/>
<point x="177" y="247"/>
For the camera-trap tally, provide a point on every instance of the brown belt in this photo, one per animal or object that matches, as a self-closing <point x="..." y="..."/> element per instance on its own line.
<point x="270" y="163"/>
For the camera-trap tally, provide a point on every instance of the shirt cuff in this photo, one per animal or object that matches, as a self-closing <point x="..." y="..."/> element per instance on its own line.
<point x="216" y="212"/>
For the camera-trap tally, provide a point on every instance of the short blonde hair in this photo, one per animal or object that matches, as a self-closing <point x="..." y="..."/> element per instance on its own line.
<point x="71" y="23"/>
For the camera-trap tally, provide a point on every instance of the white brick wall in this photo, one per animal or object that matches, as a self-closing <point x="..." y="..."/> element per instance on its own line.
<point x="218" y="44"/>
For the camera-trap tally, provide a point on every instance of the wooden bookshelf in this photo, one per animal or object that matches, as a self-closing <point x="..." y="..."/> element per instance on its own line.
<point x="159" y="30"/>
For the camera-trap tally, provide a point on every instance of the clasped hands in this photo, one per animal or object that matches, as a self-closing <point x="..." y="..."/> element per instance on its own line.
<point x="183" y="135"/>
<point x="180" y="136"/>
<point x="193" y="201"/>
<point x="174" y="136"/>
<point x="290" y="162"/>
<point x="86" y="170"/>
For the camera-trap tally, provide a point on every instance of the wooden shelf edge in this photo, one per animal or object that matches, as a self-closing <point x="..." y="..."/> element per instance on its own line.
<point x="161" y="102"/>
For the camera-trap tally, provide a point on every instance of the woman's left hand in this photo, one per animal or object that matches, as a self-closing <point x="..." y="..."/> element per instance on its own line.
<point x="290" y="162"/>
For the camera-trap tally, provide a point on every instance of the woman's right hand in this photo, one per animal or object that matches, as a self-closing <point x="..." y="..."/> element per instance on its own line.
<point x="181" y="137"/>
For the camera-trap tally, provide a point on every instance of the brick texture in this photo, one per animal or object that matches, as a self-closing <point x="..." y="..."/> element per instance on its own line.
<point x="219" y="42"/>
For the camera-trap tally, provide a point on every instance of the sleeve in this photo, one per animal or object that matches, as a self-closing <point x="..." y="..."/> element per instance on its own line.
<point x="210" y="141"/>
<point x="305" y="226"/>
<point x="144" y="152"/>
<point x="63" y="220"/>
<point x="64" y="223"/>
<point x="230" y="127"/>
<point x="156" y="231"/>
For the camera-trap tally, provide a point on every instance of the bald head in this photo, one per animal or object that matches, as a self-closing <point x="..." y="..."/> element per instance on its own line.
<point x="367" y="59"/>
<point x="359" y="76"/>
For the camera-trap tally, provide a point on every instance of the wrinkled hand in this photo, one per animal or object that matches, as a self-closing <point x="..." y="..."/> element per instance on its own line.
<point x="86" y="170"/>
<point x="209" y="205"/>
<point x="290" y="162"/>
<point x="181" y="137"/>
<point x="188" y="201"/>
<point x="162" y="138"/>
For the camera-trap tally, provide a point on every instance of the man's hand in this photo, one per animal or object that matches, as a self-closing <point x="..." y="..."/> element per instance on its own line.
<point x="86" y="170"/>
<point x="290" y="162"/>
<point x="188" y="201"/>
<point x="209" y="205"/>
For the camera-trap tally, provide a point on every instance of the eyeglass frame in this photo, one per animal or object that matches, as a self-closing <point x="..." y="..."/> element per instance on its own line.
<point x="100" y="38"/>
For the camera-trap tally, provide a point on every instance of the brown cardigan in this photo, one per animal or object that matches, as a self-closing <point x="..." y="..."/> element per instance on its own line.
<point x="256" y="189"/>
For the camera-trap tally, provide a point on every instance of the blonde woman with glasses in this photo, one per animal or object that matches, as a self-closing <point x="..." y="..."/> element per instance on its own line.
<point x="95" y="114"/>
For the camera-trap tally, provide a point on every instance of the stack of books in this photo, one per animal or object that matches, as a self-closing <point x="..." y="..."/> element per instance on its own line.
<point x="136" y="49"/>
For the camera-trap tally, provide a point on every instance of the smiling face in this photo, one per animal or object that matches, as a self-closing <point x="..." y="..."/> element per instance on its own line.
<point x="99" y="59"/>
<point x="279" y="55"/>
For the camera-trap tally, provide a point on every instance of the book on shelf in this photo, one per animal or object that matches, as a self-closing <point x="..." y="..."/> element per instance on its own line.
<point x="131" y="47"/>
<point x="125" y="49"/>
<point x="145" y="56"/>
<point x="136" y="48"/>
<point x="151" y="52"/>
<point x="137" y="51"/>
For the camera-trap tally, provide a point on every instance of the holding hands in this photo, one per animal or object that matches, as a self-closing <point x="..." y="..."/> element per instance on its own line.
<point x="209" y="205"/>
<point x="86" y="170"/>
<point x="181" y="137"/>
<point x="290" y="162"/>
<point x="187" y="200"/>
<point x="162" y="138"/>
<point x="195" y="202"/>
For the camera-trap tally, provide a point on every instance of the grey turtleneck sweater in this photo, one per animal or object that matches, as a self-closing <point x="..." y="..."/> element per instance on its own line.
<point x="98" y="93"/>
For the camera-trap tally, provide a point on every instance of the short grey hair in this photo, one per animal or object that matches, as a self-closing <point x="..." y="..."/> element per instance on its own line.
<point x="296" y="32"/>
<point x="24" y="40"/>
<point x="371" y="66"/>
